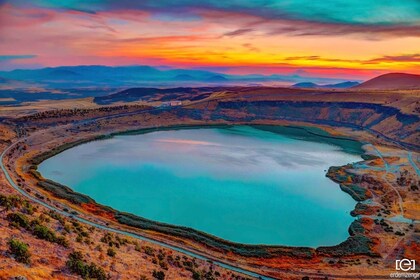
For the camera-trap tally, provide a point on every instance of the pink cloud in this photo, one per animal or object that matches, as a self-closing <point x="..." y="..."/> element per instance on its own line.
<point x="127" y="37"/>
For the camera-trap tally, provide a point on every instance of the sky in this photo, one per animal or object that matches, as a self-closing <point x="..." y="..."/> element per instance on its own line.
<point x="354" y="39"/>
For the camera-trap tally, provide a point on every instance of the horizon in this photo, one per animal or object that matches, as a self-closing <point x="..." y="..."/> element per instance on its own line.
<point x="168" y="68"/>
<point x="242" y="38"/>
<point x="327" y="81"/>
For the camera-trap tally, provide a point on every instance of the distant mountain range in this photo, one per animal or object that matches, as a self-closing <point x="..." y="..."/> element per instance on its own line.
<point x="392" y="81"/>
<point x="137" y="76"/>
<point x="130" y="83"/>
<point x="347" y="84"/>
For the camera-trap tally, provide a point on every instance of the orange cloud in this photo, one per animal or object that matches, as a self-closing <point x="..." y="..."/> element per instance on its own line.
<point x="240" y="42"/>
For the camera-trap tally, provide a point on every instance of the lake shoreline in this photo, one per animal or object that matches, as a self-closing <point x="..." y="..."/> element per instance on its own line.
<point x="142" y="167"/>
<point x="260" y="251"/>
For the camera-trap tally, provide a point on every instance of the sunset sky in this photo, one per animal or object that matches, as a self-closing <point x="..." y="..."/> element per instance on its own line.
<point x="354" y="39"/>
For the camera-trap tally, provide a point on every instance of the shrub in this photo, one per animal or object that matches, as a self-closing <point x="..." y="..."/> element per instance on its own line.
<point x="79" y="238"/>
<point x="110" y="252"/>
<point x="160" y="275"/>
<point x="149" y="251"/>
<point x="28" y="208"/>
<point x="196" y="275"/>
<point x="61" y="240"/>
<point x="10" y="202"/>
<point x="56" y="216"/>
<point x="42" y="218"/>
<point x="18" y="220"/>
<point x="77" y="226"/>
<point x="163" y="265"/>
<point x="20" y="251"/>
<point x="161" y="255"/>
<point x="121" y="241"/>
<point x="42" y="232"/>
<point x="107" y="238"/>
<point x="78" y="265"/>
<point x="35" y="222"/>
<point x="67" y="228"/>
<point x="96" y="272"/>
<point x="113" y="241"/>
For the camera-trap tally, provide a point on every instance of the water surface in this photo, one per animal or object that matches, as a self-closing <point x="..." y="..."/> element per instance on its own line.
<point x="240" y="183"/>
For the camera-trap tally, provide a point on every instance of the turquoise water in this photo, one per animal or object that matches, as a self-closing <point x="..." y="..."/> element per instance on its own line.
<point x="240" y="183"/>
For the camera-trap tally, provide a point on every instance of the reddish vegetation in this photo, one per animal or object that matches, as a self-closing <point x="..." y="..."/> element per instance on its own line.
<point x="95" y="209"/>
<point x="392" y="81"/>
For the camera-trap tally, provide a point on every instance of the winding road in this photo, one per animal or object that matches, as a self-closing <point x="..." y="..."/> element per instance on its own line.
<point x="400" y="200"/>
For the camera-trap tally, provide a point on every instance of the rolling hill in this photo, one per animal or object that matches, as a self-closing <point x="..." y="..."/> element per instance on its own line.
<point x="156" y="94"/>
<point x="392" y="81"/>
<point x="347" y="84"/>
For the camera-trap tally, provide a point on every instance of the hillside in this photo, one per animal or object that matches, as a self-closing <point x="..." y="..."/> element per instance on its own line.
<point x="155" y="94"/>
<point x="347" y="84"/>
<point x="392" y="81"/>
<point x="305" y="85"/>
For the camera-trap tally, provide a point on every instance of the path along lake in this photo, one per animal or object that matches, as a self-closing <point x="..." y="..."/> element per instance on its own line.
<point x="252" y="185"/>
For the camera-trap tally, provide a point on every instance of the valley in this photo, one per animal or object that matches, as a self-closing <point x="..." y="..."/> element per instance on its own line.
<point x="385" y="183"/>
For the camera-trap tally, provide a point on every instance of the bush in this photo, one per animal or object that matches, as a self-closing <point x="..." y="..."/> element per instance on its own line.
<point x="163" y="265"/>
<point x="35" y="222"/>
<point x="160" y="275"/>
<point x="111" y="252"/>
<point x="10" y="202"/>
<point x="96" y="272"/>
<point x="56" y="216"/>
<point x="61" y="240"/>
<point x="196" y="275"/>
<point x="18" y="220"/>
<point x="27" y="208"/>
<point x="78" y="265"/>
<point x="20" y="251"/>
<point x="42" y="232"/>
<point x="107" y="238"/>
<point x="67" y="228"/>
<point x="149" y="251"/>
<point x="121" y="241"/>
